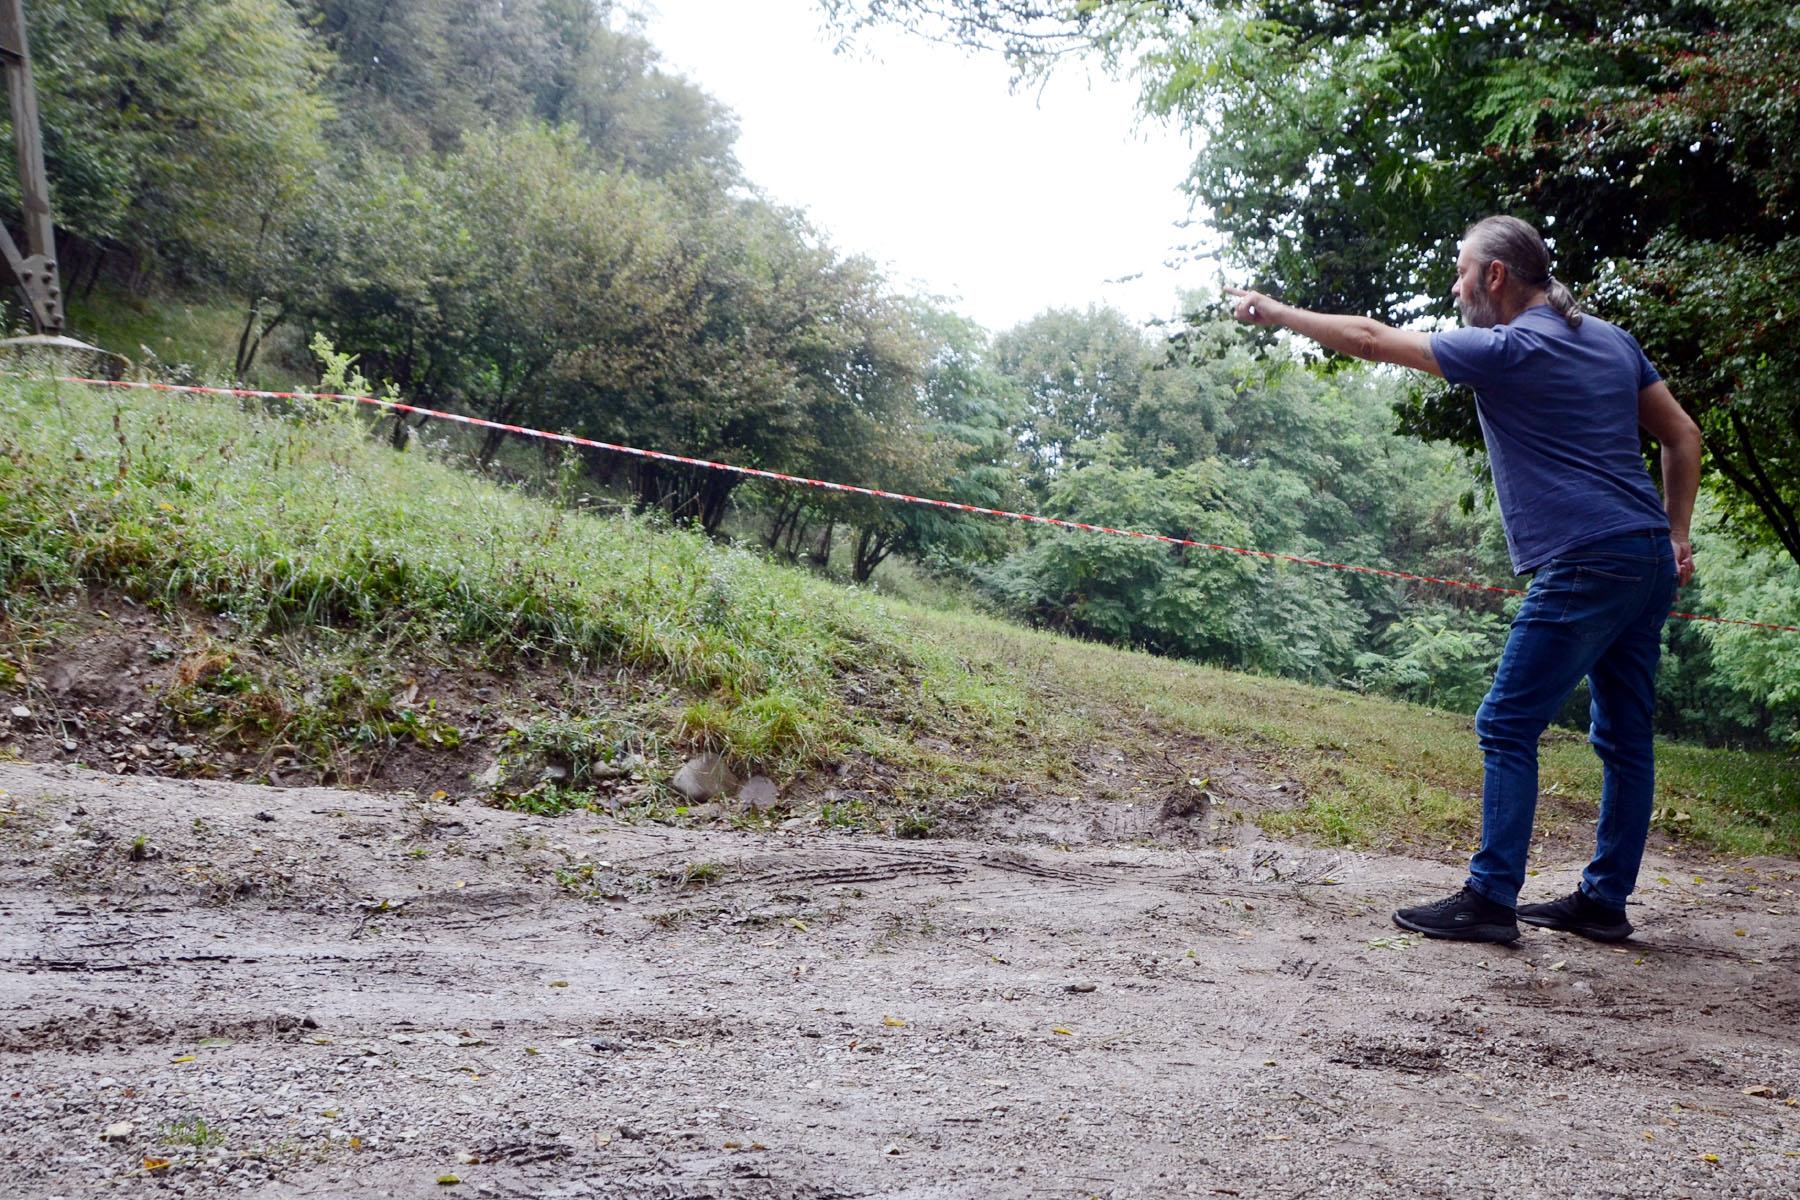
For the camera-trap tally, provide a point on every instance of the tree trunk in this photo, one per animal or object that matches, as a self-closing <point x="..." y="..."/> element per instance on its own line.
<point x="821" y="554"/>
<point x="787" y="510"/>
<point x="648" y="485"/>
<point x="246" y="359"/>
<point x="94" y="272"/>
<point x="715" y="501"/>
<point x="797" y="532"/>
<point x="872" y="549"/>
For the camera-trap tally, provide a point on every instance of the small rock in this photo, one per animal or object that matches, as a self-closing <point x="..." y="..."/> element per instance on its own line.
<point x="69" y="745"/>
<point x="118" y="1132"/>
<point x="265" y="816"/>
<point x="759" y="794"/>
<point x="604" y="1044"/>
<point x="21" y="713"/>
<point x="1079" y="987"/>
<point x="706" y="812"/>
<point x="491" y="777"/>
<point x="185" y="751"/>
<point x="704" y="777"/>
<point x="556" y="774"/>
<point x="890" y="1148"/>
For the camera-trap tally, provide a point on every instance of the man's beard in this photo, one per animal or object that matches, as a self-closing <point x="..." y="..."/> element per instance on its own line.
<point x="1478" y="310"/>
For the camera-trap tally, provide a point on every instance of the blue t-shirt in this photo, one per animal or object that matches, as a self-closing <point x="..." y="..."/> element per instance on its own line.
<point x="1559" y="412"/>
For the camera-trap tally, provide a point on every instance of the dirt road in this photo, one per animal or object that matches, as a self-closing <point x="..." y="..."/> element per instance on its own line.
<point x="330" y="994"/>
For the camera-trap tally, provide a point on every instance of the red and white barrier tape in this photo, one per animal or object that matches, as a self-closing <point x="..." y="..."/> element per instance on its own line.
<point x="877" y="493"/>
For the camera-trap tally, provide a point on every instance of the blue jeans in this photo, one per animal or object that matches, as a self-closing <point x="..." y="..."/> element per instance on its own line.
<point x="1596" y="611"/>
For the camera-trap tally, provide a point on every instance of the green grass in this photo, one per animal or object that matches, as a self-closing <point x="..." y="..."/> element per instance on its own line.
<point x="332" y="557"/>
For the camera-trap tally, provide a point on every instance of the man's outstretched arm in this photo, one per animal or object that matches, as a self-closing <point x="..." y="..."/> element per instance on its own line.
<point x="1358" y="337"/>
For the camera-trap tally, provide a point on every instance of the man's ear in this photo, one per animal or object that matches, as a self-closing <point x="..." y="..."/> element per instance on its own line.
<point x="1495" y="277"/>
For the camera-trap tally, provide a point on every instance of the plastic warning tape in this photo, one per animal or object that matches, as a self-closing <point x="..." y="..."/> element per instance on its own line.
<point x="852" y="489"/>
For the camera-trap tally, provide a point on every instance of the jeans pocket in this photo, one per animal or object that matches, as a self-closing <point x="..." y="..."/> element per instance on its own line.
<point x="1590" y="590"/>
<point x="1613" y="571"/>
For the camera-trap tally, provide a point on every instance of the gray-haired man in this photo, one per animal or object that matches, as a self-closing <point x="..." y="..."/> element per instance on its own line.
<point x="1560" y="397"/>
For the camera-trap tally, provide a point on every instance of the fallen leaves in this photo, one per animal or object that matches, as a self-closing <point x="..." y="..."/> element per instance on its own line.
<point x="893" y="1022"/>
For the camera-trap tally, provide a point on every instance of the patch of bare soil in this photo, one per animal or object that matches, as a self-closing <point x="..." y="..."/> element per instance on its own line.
<point x="214" y="989"/>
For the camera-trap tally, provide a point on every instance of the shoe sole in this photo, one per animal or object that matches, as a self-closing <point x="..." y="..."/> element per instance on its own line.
<point x="1470" y="933"/>
<point x="1594" y="933"/>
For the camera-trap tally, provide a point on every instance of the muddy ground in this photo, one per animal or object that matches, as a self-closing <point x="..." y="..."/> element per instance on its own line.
<point x="216" y="989"/>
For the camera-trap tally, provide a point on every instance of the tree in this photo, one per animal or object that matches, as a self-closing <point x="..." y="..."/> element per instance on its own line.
<point x="637" y="116"/>
<point x="958" y="445"/>
<point x="1079" y="372"/>
<point x="171" y="129"/>
<point x="510" y="273"/>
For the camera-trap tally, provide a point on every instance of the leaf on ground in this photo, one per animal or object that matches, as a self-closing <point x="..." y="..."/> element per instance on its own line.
<point x="893" y="1022"/>
<point x="156" y="1164"/>
<point x="1061" y="1030"/>
<point x="1760" y="1089"/>
<point x="797" y="923"/>
<point x="449" y="1180"/>
<point x="181" y="1058"/>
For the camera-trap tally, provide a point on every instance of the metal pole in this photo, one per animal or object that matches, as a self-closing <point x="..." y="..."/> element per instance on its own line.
<point x="36" y="273"/>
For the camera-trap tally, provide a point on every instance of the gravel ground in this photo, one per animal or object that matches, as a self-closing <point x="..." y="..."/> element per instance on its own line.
<point x="212" y="989"/>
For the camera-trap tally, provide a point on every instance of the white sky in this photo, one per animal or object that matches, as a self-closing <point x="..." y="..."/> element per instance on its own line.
<point x="919" y="156"/>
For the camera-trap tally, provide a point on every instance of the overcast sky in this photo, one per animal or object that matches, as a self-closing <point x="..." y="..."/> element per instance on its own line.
<point x="919" y="156"/>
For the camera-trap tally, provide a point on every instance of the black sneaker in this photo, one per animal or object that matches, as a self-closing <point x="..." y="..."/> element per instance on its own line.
<point x="1467" y="916"/>
<point x="1579" y="913"/>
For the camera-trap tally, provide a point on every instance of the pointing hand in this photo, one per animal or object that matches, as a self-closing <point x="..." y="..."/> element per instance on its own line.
<point x="1253" y="308"/>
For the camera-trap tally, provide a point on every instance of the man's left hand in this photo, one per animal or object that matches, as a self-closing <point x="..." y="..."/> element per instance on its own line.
<point x="1684" y="560"/>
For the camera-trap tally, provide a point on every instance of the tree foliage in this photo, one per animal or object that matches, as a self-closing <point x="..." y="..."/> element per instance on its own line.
<point x="170" y="128"/>
<point x="1344" y="147"/>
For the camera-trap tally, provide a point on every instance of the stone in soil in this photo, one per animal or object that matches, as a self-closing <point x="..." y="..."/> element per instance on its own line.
<point x="703" y="777"/>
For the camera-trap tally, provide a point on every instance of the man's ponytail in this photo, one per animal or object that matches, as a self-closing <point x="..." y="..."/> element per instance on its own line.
<point x="1562" y="300"/>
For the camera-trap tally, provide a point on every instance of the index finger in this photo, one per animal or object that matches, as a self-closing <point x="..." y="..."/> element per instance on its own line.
<point x="1236" y="291"/>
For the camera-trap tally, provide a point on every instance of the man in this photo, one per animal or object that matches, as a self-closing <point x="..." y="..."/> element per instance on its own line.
<point x="1560" y="397"/>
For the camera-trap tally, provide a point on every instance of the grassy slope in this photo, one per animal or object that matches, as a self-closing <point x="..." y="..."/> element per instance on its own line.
<point x="298" y="526"/>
